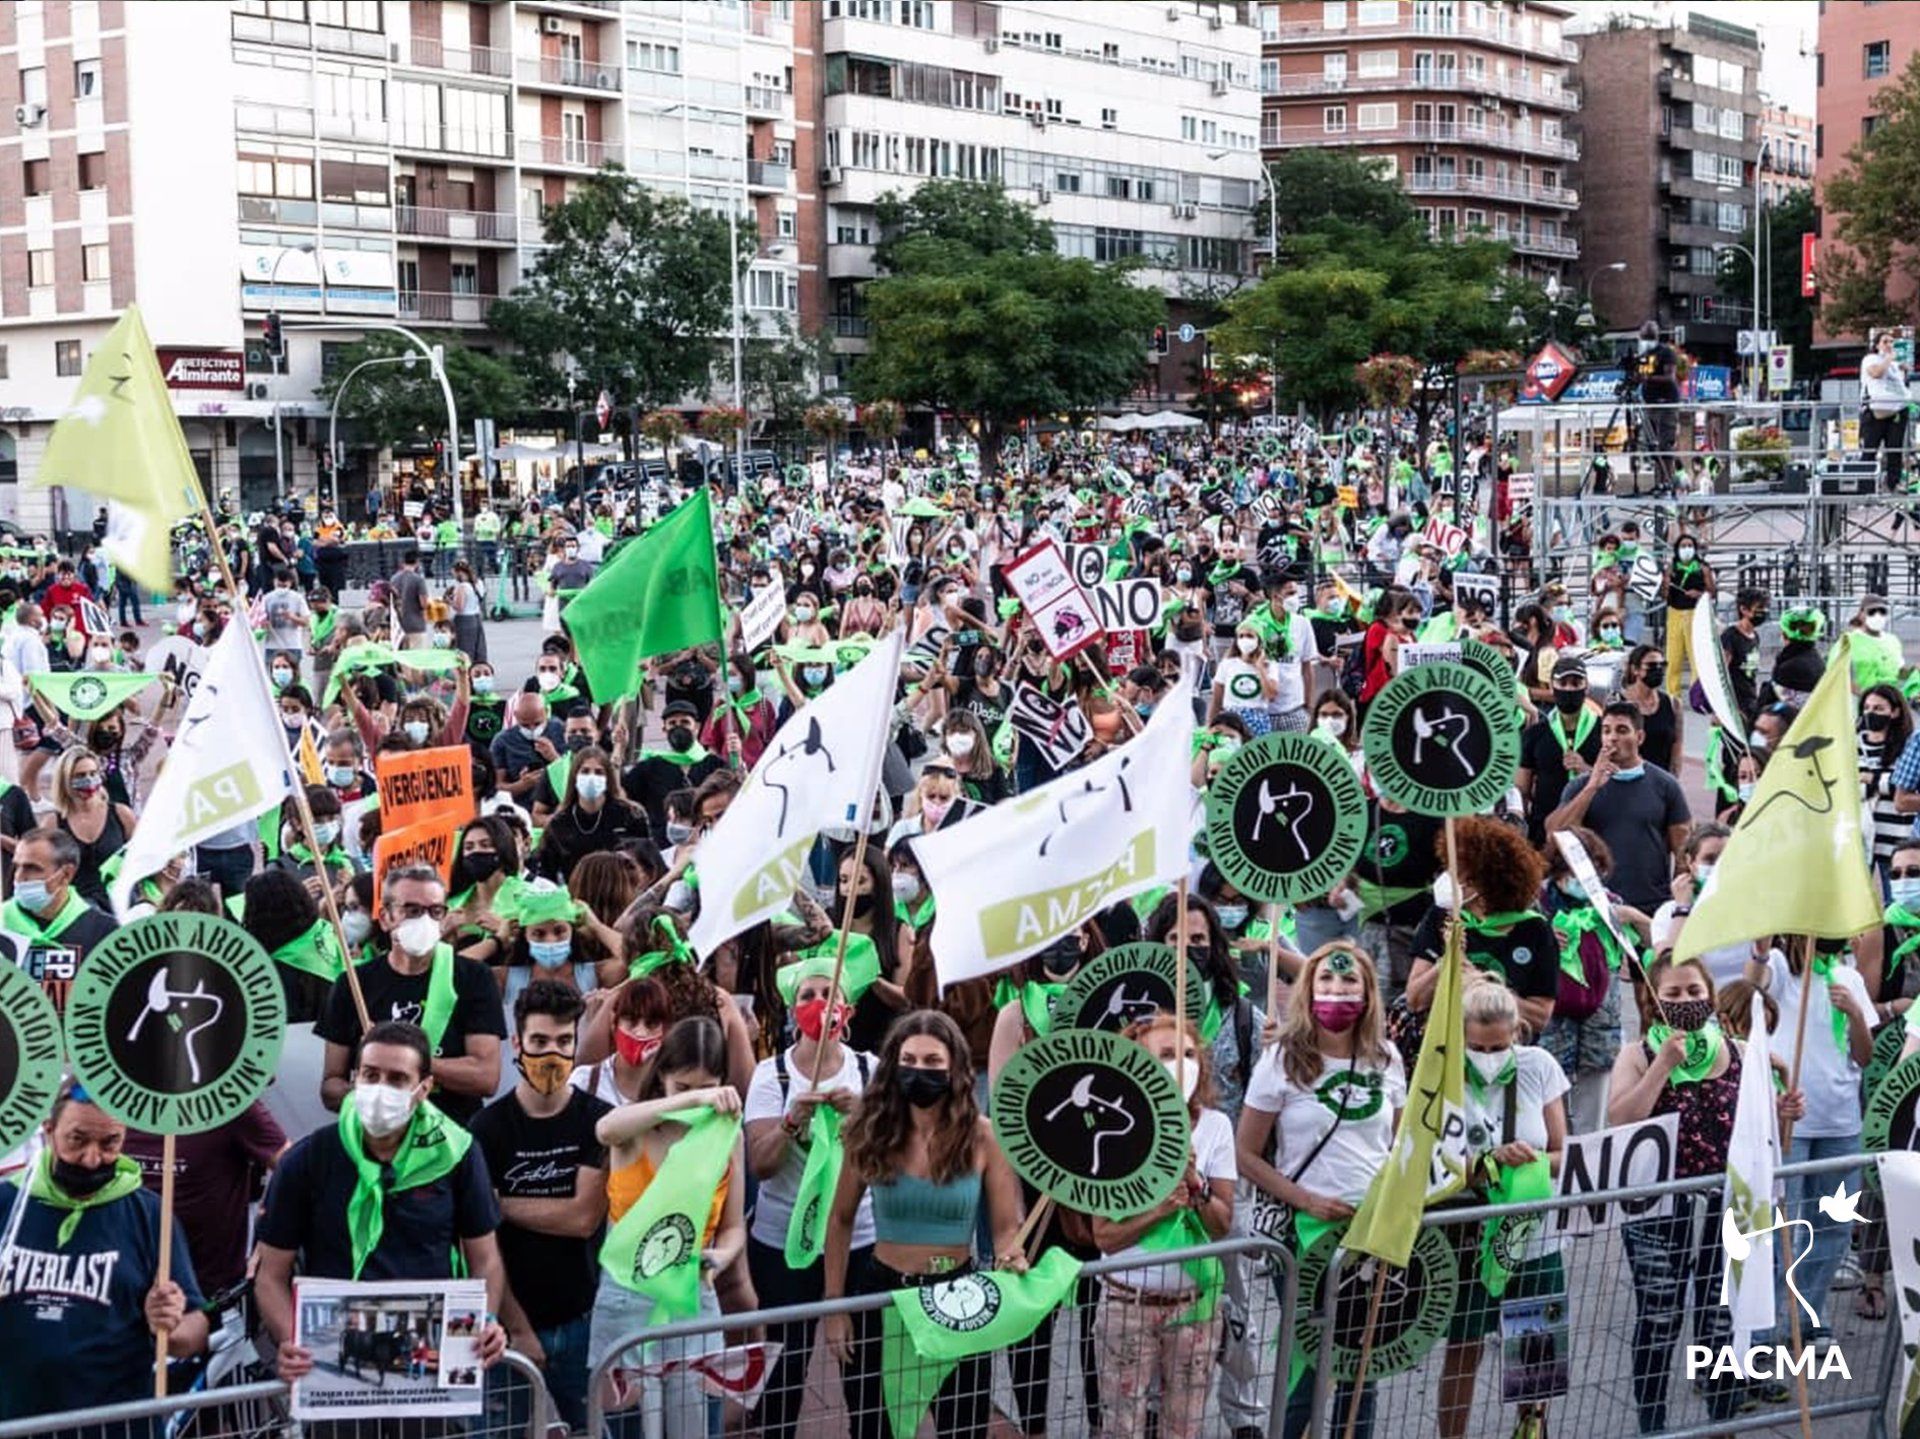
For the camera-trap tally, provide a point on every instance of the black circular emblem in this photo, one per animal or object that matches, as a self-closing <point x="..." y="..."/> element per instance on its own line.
<point x="1286" y="817"/>
<point x="1415" y="1304"/>
<point x="87" y="694"/>
<point x="1441" y="740"/>
<point x="964" y="1305"/>
<point x="1127" y="983"/>
<point x="668" y="1242"/>
<point x="1892" y="1117"/>
<point x="30" y="1061"/>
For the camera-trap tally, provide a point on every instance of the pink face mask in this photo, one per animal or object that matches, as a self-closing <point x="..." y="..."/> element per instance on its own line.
<point x="935" y="810"/>
<point x="1338" y="1015"/>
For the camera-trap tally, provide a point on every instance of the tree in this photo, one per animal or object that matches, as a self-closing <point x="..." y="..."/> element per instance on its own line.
<point x="632" y="289"/>
<point x="389" y="404"/>
<point x="1314" y="186"/>
<point x="782" y="373"/>
<point x="1878" y="220"/>
<point x="1792" y="312"/>
<point x="977" y="313"/>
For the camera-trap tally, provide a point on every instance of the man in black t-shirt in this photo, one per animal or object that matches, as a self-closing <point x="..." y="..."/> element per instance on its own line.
<point x="550" y="1175"/>
<point x="420" y="981"/>
<point x="1563" y="742"/>
<point x="1740" y="645"/>
<point x="683" y="764"/>
<point x="1394" y="878"/>
<point x="1657" y="367"/>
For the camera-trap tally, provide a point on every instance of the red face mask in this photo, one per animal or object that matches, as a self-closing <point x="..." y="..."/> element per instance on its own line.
<point x="634" y="1049"/>
<point x="810" y="1017"/>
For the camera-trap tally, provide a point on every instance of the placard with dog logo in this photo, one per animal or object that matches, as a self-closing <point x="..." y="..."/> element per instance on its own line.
<point x="1286" y="818"/>
<point x="29" y="1055"/>
<point x="1442" y="740"/>
<point x="1127" y="983"/>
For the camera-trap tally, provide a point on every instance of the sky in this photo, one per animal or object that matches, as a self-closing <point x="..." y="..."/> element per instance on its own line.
<point x="1787" y="28"/>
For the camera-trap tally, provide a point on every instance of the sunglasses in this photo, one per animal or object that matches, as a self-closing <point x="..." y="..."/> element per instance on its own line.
<point x="1903" y="874"/>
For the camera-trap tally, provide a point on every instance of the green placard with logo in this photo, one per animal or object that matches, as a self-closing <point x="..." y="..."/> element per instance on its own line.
<point x="1416" y="1304"/>
<point x="175" y="1022"/>
<point x="1286" y="818"/>
<point x="1888" y="1041"/>
<point x="1442" y="740"/>
<point x="30" y="1066"/>
<point x="1892" y="1116"/>
<point x="1093" y="1120"/>
<point x="1483" y="659"/>
<point x="1127" y="983"/>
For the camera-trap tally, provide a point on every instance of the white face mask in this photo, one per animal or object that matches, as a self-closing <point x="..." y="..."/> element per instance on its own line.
<point x="358" y="924"/>
<point x="1335" y="725"/>
<point x="1186" y="1074"/>
<point x="416" y="731"/>
<point x="593" y="786"/>
<point x="1246" y="644"/>
<point x="1489" y="1064"/>
<point x="960" y="745"/>
<point x="1443" y="890"/>
<point x="325" y="832"/>
<point x="906" y="886"/>
<point x="1875" y="622"/>
<point x="546" y="679"/>
<point x="383" y="1110"/>
<point x="418" y="935"/>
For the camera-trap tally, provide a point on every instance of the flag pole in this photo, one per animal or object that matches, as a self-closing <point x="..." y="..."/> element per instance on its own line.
<point x="165" y="1275"/>
<point x="1273" y="960"/>
<point x="1366" y="1343"/>
<point x="1180" y="970"/>
<point x="302" y="809"/>
<point x="1786" y="1143"/>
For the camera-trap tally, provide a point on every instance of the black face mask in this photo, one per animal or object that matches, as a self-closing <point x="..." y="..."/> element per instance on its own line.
<point x="680" y="739"/>
<point x="1569" y="701"/>
<point x="863" y="905"/>
<point x="478" y="866"/>
<point x="1875" y="723"/>
<point x="81" y="1181"/>
<point x="1651" y="675"/>
<point x="924" y="1088"/>
<point x="578" y="741"/>
<point x="1061" y="957"/>
<point x="1199" y="954"/>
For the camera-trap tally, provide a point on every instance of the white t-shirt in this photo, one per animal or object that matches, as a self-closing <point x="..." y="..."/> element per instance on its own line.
<point x="1537" y="1081"/>
<point x="1345" y="1165"/>
<point x="597" y="1080"/>
<point x="1290" y="673"/>
<point x="1213" y="1158"/>
<point x="1239" y="682"/>
<point x="1725" y="964"/>
<point x="773" y="1209"/>
<point x="1828" y="1076"/>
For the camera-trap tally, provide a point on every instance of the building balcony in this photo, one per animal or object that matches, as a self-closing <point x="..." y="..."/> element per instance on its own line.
<point x="1306" y="34"/>
<point x="563" y="72"/>
<point x="557" y="152"/>
<point x="1509" y="87"/>
<point x="441" y="307"/>
<point x="769" y="175"/>
<point x="1562" y="247"/>
<point x="766" y="103"/>
<point x="762" y="25"/>
<point x="424" y="53"/>
<point x="424" y="136"/>
<point x="849" y="327"/>
<point x="1511" y="191"/>
<point x="273" y="210"/>
<point x="850" y="262"/>
<point x="1427" y="133"/>
<point x="590" y="9"/>
<point x="460" y="226"/>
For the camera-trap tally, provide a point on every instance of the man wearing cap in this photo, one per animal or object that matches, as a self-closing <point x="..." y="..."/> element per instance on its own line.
<point x="684" y="762"/>
<point x="1563" y="743"/>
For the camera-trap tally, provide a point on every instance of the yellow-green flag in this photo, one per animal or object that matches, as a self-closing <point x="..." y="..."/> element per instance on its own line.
<point x="1429" y="1158"/>
<point x="1797" y="861"/>
<point x="119" y="439"/>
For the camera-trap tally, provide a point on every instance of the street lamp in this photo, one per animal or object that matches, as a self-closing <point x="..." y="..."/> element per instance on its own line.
<point x="304" y="247"/>
<point x="579" y="422"/>
<point x="406" y="362"/>
<point x="1273" y="259"/>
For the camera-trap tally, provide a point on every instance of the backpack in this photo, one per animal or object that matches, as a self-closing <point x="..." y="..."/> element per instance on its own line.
<point x="780" y="1072"/>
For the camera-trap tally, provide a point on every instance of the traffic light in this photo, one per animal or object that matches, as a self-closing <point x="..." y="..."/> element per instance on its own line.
<point x="1160" y="339"/>
<point x="273" y="338"/>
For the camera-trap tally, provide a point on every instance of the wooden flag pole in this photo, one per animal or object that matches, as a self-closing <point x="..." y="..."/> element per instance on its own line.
<point x="1366" y="1342"/>
<point x="166" y="1259"/>
<point x="1786" y="1142"/>
<point x="846" y="931"/>
<point x="1104" y="679"/>
<point x="1180" y="969"/>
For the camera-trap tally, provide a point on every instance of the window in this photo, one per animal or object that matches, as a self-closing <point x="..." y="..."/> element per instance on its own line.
<point x="1877" y="59"/>
<point x="86" y="79"/>
<point x="1269" y="127"/>
<point x="93" y="170"/>
<point x="1333" y="15"/>
<point x="1119" y="187"/>
<point x="1731" y="217"/>
<point x="1379" y="12"/>
<point x="407" y="276"/>
<point x="573" y="133"/>
<point x="348" y="14"/>
<point x="1333" y="120"/>
<point x="4" y="374"/>
<point x="39" y="268"/>
<point x="1379" y="117"/>
<point x="463" y="278"/>
<point x="1067" y="182"/>
<point x="33" y="86"/>
<point x="1378" y="64"/>
<point x="95" y="263"/>
<point x="1333" y="68"/>
<point x="1871" y="123"/>
<point x="785" y="224"/>
<point x="1269" y="77"/>
<point x="1270" y="21"/>
<point x="647" y="55"/>
<point x="66" y="357"/>
<point x="1729" y="169"/>
<point x="39" y="176"/>
<point x="1109" y="119"/>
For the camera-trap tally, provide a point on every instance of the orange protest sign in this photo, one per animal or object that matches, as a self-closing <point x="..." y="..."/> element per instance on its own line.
<point x="428" y="842"/>
<point x="424" y="784"/>
<point x="1347" y="497"/>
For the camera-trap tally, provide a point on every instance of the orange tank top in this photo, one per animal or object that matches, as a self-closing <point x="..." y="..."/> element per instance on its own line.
<point x="626" y="1184"/>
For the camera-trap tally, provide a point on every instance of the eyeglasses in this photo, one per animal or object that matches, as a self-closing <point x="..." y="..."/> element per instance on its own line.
<point x="1903" y="874"/>
<point x="415" y="911"/>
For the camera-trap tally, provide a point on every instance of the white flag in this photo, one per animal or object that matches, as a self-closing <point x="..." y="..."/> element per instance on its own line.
<point x="1751" y="1216"/>
<point x="228" y="763"/>
<point x="821" y="769"/>
<point x="1011" y="881"/>
<point x="1900" y="1184"/>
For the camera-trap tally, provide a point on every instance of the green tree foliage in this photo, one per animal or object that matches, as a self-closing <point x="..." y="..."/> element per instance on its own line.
<point x="782" y="373"/>
<point x="1875" y="206"/>
<point x="390" y="404"/>
<point x="1793" y="312"/>
<point x="978" y="314"/>
<point x="1312" y="187"/>
<point x="633" y="288"/>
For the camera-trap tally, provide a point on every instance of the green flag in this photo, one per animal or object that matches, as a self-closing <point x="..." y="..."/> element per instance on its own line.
<point x="660" y="593"/>
<point x="1184" y="1230"/>
<point x="655" y="1247"/>
<point x="932" y="1327"/>
<point x="90" y="693"/>
<point x="807" y="1226"/>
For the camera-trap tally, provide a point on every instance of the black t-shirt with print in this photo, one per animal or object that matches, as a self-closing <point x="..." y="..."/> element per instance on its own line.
<point x="1743" y="669"/>
<point x="391" y="995"/>
<point x="1527" y="956"/>
<point x="1400" y="855"/>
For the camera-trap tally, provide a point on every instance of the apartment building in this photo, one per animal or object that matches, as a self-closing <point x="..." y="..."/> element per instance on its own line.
<point x="1786" y="152"/>
<point x="1863" y="44"/>
<point x="1671" y="119"/>
<point x="1132" y="127"/>
<point x="1467" y="104"/>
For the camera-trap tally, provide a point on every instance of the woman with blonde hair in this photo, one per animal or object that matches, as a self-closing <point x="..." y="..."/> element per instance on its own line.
<point x="1325" y="1097"/>
<point x="98" y="826"/>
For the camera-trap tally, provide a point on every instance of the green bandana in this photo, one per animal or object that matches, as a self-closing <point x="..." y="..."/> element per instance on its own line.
<point x="88" y="694"/>
<point x="315" y="951"/>
<point x="1703" y="1047"/>
<point x="674" y="950"/>
<point x="1504" y="1242"/>
<point x="539" y="901"/>
<point x="438" y="1008"/>
<point x="323" y="626"/>
<point x="431" y="1147"/>
<point x="13" y="917"/>
<point x="1900" y="917"/>
<point x="807" y="1225"/>
<point x="1183" y="1229"/>
<point x="1572" y="926"/>
<point x="1823" y="966"/>
<point x="126" y="1179"/>
<point x="856" y="977"/>
<point x="685" y="758"/>
<point x="1582" y="727"/>
<point x="1036" y="1004"/>
<point x="654" y="1248"/>
<point x="1492" y="1086"/>
<point x="918" y="919"/>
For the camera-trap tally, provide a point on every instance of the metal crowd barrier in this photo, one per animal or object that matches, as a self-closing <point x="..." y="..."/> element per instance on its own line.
<point x="260" y="1411"/>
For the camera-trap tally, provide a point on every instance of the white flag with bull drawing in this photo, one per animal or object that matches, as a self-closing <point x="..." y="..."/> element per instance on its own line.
<point x="1030" y="869"/>
<point x="820" y="769"/>
<point x="1750" y="1218"/>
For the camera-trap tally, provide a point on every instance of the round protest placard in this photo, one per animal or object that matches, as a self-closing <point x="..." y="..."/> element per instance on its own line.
<point x="174" y="1024"/>
<point x="1416" y="1304"/>
<point x="1286" y="818"/>
<point x="29" y="1055"/>
<point x="1441" y="740"/>
<point x="1093" y="1120"/>
<point x="1483" y="659"/>
<point x="1888" y="1041"/>
<point x="1893" y="1106"/>
<point x="1128" y="982"/>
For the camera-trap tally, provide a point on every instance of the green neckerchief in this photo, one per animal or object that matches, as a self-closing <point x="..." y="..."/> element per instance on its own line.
<point x="691" y="756"/>
<point x="1582" y="727"/>
<point x="438" y="1008"/>
<point x="1703" y="1047"/>
<point x="918" y="920"/>
<point x="673" y="950"/>
<point x="1183" y="1229"/>
<point x="558" y="771"/>
<point x="126" y="1179"/>
<point x="1716" y="772"/>
<point x="431" y="1148"/>
<point x="1822" y="967"/>
<point x="1036" y="1003"/>
<point x="1521" y="1184"/>
<point x="315" y="951"/>
<point x="1484" y="1087"/>
<point x="676" y="1203"/>
<point x="335" y="858"/>
<point x="1495" y="923"/>
<point x="1900" y="917"/>
<point x="323" y="626"/>
<point x="13" y="917"/>
<point x="1572" y="925"/>
<point x="738" y="705"/>
<point x="807" y="1225"/>
<point x="1379" y="898"/>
